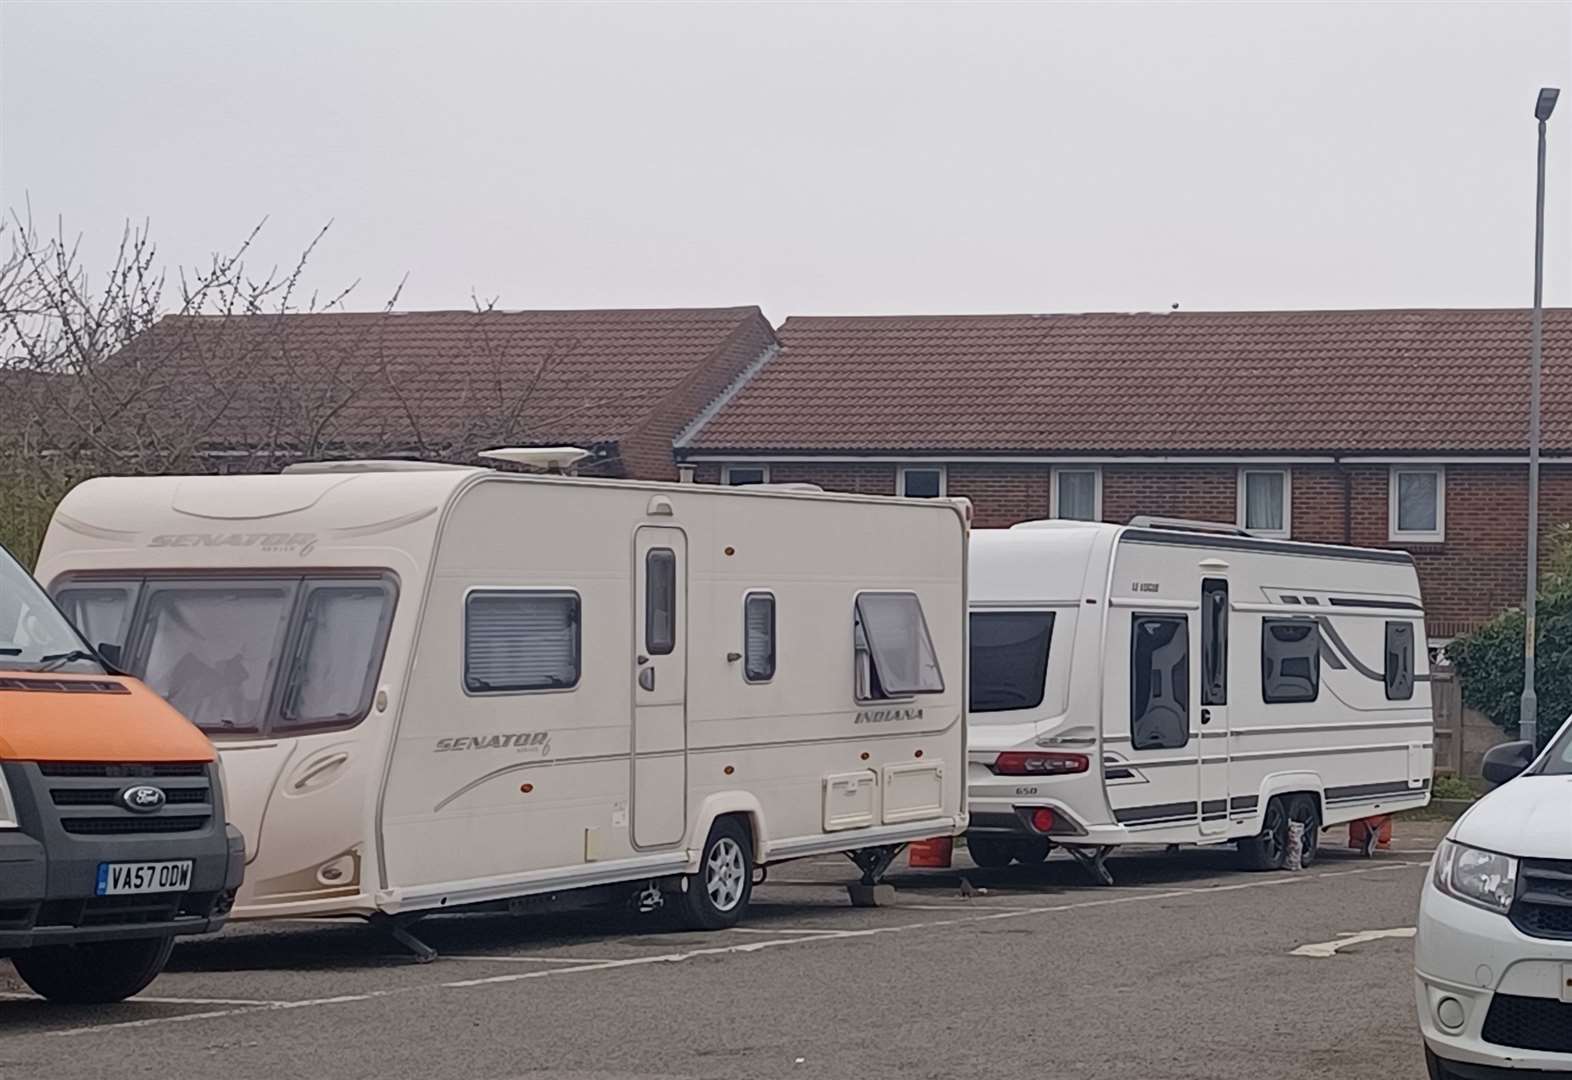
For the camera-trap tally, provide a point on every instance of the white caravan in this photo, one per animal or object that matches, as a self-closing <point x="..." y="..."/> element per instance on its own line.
<point x="1173" y="682"/>
<point x="436" y="686"/>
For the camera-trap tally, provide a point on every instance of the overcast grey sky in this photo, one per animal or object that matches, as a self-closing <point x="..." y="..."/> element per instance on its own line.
<point x="813" y="158"/>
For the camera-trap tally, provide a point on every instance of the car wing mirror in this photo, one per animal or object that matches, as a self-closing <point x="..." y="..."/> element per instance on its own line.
<point x="1507" y="761"/>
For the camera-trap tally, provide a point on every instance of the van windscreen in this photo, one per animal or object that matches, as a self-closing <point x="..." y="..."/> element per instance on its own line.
<point x="1009" y="652"/>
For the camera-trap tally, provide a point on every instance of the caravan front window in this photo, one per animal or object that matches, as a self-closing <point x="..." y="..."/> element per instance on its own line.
<point x="1009" y="659"/>
<point x="894" y="655"/>
<point x="334" y="671"/>
<point x="212" y="650"/>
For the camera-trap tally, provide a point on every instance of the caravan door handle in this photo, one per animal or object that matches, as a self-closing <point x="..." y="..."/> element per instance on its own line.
<point x="1206" y="716"/>
<point x="647" y="678"/>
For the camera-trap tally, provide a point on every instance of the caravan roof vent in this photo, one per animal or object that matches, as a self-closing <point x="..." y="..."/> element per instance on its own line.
<point x="551" y="459"/>
<point x="1145" y="521"/>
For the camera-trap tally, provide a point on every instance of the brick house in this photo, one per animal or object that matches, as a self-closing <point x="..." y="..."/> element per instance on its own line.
<point x="1379" y="428"/>
<point x="255" y="389"/>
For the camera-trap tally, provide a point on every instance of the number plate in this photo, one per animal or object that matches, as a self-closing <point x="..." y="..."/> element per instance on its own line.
<point x="117" y="878"/>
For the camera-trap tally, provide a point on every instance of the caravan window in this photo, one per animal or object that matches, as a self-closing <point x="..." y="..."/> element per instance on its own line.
<point x="337" y="656"/>
<point x="1214" y="642"/>
<point x="212" y="650"/>
<point x="1159" y="682"/>
<point x="1399" y="661"/>
<point x="894" y="654"/>
<point x="758" y="631"/>
<point x="101" y="611"/>
<point x="1009" y="652"/>
<point x="1290" y="661"/>
<point x="660" y="601"/>
<point x="521" y="640"/>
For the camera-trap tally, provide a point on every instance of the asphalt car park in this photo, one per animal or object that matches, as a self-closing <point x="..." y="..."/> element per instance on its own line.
<point x="1187" y="967"/>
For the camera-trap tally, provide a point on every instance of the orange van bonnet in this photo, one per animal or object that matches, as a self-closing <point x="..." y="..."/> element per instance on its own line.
<point x="100" y="718"/>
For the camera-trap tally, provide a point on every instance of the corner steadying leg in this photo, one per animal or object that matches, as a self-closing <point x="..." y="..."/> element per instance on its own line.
<point x="397" y="927"/>
<point x="873" y="862"/>
<point x="1092" y="861"/>
<point x="1372" y="837"/>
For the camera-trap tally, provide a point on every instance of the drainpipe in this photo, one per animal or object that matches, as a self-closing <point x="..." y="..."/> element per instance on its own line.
<point x="1348" y="501"/>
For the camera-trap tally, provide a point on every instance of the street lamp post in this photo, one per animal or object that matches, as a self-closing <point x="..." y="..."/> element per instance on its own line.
<point x="1528" y="712"/>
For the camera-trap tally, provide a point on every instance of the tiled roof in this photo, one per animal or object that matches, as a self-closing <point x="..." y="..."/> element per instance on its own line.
<point x="428" y="377"/>
<point x="1447" y="381"/>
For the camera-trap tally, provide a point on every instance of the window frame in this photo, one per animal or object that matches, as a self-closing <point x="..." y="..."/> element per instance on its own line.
<point x="762" y="468"/>
<point x="900" y="480"/>
<point x="1419" y="536"/>
<point x="1397" y="626"/>
<point x="132" y="587"/>
<point x="514" y="590"/>
<point x="747" y="598"/>
<point x="1267" y="623"/>
<point x="1214" y="694"/>
<point x="1183" y="619"/>
<point x="972" y="616"/>
<point x="1242" y="485"/>
<point x="278" y="723"/>
<point x="666" y="647"/>
<point x="861" y="646"/>
<point x="1097" y="490"/>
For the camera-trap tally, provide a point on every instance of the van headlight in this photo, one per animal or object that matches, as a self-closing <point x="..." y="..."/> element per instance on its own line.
<point x="7" y="805"/>
<point x="1482" y="878"/>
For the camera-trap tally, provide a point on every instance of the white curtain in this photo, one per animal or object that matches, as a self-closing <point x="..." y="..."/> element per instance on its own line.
<point x="1416" y="502"/>
<point x="1264" y="501"/>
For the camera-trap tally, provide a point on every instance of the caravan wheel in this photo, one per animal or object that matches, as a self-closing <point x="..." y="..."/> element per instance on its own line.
<point x="718" y="894"/>
<point x="1268" y="849"/>
<point x="990" y="852"/>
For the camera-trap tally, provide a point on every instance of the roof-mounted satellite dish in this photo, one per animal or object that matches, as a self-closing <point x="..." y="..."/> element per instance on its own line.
<point x="548" y="459"/>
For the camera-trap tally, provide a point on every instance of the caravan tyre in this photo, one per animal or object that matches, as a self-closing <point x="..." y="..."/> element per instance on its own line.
<point x="718" y="894"/>
<point x="96" y="973"/>
<point x="989" y="852"/>
<point x="1032" y="851"/>
<point x="1268" y="849"/>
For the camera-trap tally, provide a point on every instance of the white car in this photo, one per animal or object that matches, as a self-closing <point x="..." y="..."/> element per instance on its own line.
<point x="1493" y="955"/>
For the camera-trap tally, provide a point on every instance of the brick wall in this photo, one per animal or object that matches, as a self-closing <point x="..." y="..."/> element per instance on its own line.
<point x="1475" y="573"/>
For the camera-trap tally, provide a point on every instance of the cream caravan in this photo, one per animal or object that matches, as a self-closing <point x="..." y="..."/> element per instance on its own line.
<point x="1173" y="682"/>
<point x="437" y="686"/>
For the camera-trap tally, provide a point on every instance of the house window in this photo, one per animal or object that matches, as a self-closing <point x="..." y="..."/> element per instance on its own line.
<point x="758" y="632"/>
<point x="1290" y="661"/>
<point x="1159" y="682"/>
<point x="738" y="475"/>
<point x="923" y="483"/>
<point x="1265" y="501"/>
<point x="1417" y="500"/>
<point x="1078" y="494"/>
<point x="520" y="640"/>
<point x="892" y="651"/>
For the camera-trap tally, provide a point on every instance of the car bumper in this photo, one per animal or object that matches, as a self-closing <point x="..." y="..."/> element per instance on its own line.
<point x="1470" y="956"/>
<point x="49" y="899"/>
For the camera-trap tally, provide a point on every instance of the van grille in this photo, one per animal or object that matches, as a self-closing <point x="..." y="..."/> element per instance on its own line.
<point x="1529" y="1023"/>
<point x="1543" y="907"/>
<point x="133" y="824"/>
<point x="98" y="796"/>
<point x="141" y="772"/>
<point x="63" y="686"/>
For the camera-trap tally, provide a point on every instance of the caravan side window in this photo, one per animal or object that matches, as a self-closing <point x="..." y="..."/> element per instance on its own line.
<point x="101" y="611"/>
<point x="758" y="633"/>
<point x="1399" y="661"/>
<point x="1214" y="642"/>
<point x="660" y="601"/>
<point x="1159" y="682"/>
<point x="521" y="640"/>
<point x="1290" y="661"/>
<point x="894" y="655"/>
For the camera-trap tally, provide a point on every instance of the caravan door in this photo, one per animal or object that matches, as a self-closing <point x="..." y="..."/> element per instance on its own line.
<point x="660" y="686"/>
<point x="1212" y="747"/>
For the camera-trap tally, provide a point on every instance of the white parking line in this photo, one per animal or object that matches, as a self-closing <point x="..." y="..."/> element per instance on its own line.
<point x="777" y="930"/>
<point x="150" y="1000"/>
<point x="1324" y="950"/>
<point x="979" y="915"/>
<point x="483" y="959"/>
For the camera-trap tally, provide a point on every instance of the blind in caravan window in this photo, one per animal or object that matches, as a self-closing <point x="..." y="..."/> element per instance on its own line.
<point x="903" y="655"/>
<point x="759" y="631"/>
<point x="517" y="641"/>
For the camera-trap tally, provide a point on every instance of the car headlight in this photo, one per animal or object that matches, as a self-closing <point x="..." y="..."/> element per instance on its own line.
<point x="1483" y="878"/>
<point x="7" y="805"/>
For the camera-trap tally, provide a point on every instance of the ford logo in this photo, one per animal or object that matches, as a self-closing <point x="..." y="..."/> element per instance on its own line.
<point x="142" y="799"/>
